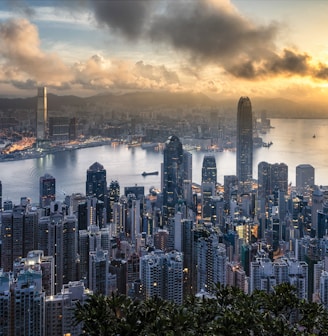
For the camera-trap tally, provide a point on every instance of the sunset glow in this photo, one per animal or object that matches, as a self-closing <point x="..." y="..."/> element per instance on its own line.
<point x="219" y="47"/>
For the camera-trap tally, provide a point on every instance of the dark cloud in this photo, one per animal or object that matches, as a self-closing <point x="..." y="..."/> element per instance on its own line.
<point x="213" y="34"/>
<point x="290" y="62"/>
<point x="207" y="31"/>
<point x="321" y="72"/>
<point x="126" y="16"/>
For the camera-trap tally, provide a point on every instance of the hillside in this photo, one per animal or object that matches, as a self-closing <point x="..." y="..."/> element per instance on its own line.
<point x="275" y="107"/>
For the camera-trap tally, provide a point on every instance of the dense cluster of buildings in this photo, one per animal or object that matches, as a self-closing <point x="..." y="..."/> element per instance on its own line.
<point x="177" y="241"/>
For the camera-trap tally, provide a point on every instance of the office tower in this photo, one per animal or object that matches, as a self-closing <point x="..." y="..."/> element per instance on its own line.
<point x="173" y="175"/>
<point x="89" y="241"/>
<point x="324" y="288"/>
<point x="272" y="178"/>
<point x="265" y="275"/>
<point x="5" y="302"/>
<point x="27" y="305"/>
<point x="161" y="275"/>
<point x="322" y="222"/>
<point x="230" y="189"/>
<point x="96" y="184"/>
<point x="18" y="234"/>
<point x="120" y="217"/>
<point x="42" y="114"/>
<point x="208" y="192"/>
<point x="47" y="190"/>
<point x="91" y="212"/>
<point x="133" y="269"/>
<point x="60" y="308"/>
<point x="114" y="196"/>
<point x="137" y="191"/>
<point x="304" y="179"/>
<point x="211" y="260"/>
<point x="58" y="237"/>
<point x="187" y="166"/>
<point x="36" y="260"/>
<point x="187" y="250"/>
<point x="135" y="220"/>
<point x="0" y="196"/>
<point x="118" y="267"/>
<point x="244" y="148"/>
<point x="8" y="205"/>
<point x="317" y="205"/>
<point x="98" y="271"/>
<point x="236" y="276"/>
<point x="209" y="171"/>
<point x="161" y="238"/>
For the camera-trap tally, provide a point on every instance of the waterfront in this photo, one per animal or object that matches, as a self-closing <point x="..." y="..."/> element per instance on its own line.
<point x="293" y="144"/>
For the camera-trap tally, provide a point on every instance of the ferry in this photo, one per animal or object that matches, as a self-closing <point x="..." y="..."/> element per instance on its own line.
<point x="149" y="173"/>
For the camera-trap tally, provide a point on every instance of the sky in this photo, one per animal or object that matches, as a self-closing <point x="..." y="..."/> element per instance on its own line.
<point x="222" y="48"/>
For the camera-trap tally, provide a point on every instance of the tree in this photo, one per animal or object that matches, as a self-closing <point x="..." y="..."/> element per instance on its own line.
<point x="228" y="312"/>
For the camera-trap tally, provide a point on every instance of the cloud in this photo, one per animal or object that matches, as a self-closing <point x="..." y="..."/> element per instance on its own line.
<point x="208" y="32"/>
<point x="126" y="16"/>
<point x="101" y="73"/>
<point x="21" y="55"/>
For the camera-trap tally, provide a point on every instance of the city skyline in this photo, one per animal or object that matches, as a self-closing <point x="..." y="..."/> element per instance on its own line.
<point x="221" y="48"/>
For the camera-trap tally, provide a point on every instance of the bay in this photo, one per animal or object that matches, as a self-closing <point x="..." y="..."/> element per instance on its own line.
<point x="293" y="143"/>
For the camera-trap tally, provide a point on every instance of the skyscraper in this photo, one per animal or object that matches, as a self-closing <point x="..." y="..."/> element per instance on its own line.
<point x="244" y="143"/>
<point x="96" y="185"/>
<point x="42" y="114"/>
<point x="209" y="171"/>
<point x="47" y="190"/>
<point x="0" y="195"/>
<point x="272" y="177"/>
<point x="304" y="179"/>
<point x="162" y="275"/>
<point x="173" y="175"/>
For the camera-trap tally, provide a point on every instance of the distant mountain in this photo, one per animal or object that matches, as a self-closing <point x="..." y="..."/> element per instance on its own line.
<point x="275" y="107"/>
<point x="149" y="99"/>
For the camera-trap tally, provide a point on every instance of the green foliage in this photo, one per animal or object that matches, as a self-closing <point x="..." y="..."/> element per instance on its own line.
<point x="229" y="312"/>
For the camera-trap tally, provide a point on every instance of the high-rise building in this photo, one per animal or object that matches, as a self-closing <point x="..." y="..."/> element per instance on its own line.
<point x="208" y="192"/>
<point x="58" y="237"/>
<point x="47" y="190"/>
<point x="304" y="179"/>
<point x="60" y="308"/>
<point x="114" y="196"/>
<point x="244" y="144"/>
<point x="96" y="184"/>
<point x="230" y="189"/>
<point x="161" y="275"/>
<point x="266" y="274"/>
<point x="18" y="235"/>
<point x="271" y="178"/>
<point x="173" y="175"/>
<point x="22" y="304"/>
<point x="209" y="171"/>
<point x="42" y="114"/>
<point x="0" y="196"/>
<point x="98" y="271"/>
<point x="211" y="260"/>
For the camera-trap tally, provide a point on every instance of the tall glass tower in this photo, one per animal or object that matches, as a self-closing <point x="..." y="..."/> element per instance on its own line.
<point x="173" y="175"/>
<point x="47" y="190"/>
<point x="96" y="185"/>
<point x="244" y="143"/>
<point x="42" y="114"/>
<point x="209" y="171"/>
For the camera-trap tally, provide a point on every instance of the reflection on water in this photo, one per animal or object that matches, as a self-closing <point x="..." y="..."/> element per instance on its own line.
<point x="293" y="144"/>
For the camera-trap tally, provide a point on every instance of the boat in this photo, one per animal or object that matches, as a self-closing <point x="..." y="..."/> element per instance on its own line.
<point x="267" y="144"/>
<point x="149" y="173"/>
